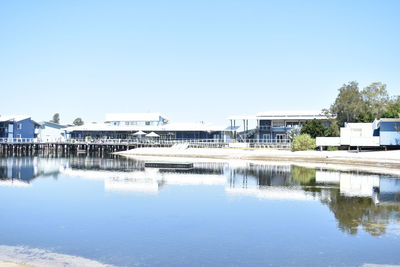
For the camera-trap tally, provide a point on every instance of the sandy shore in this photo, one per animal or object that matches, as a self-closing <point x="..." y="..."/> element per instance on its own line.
<point x="16" y="256"/>
<point x="12" y="264"/>
<point x="386" y="159"/>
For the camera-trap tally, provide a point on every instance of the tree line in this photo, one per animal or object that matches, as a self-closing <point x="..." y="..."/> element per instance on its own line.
<point x="353" y="104"/>
<point x="76" y="122"/>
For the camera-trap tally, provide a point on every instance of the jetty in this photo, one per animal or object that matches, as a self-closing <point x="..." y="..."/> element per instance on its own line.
<point x="169" y="165"/>
<point x="32" y="145"/>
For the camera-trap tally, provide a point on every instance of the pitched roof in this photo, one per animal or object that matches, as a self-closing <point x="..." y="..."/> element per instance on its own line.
<point x="13" y="118"/>
<point x="52" y="124"/>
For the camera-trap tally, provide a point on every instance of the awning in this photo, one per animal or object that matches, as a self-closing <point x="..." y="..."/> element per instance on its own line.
<point x="152" y="134"/>
<point x="139" y="133"/>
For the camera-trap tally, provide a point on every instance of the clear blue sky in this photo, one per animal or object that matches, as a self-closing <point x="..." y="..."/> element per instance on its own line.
<point x="191" y="60"/>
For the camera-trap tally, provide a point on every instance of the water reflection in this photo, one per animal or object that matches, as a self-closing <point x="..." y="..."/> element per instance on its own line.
<point x="370" y="201"/>
<point x="358" y="199"/>
<point x="20" y="171"/>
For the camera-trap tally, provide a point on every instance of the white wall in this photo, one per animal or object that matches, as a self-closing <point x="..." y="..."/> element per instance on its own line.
<point x="50" y="134"/>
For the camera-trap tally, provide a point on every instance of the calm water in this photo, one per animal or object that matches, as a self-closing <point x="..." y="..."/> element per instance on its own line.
<point x="117" y="212"/>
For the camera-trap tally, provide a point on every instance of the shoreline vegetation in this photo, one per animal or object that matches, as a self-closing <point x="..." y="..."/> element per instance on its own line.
<point x="379" y="159"/>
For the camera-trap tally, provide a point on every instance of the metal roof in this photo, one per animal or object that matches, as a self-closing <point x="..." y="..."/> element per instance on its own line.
<point x="13" y="118"/>
<point x="282" y="115"/>
<point x="242" y="117"/>
<point x="148" y="128"/>
<point x="52" y="124"/>
<point x="290" y="113"/>
<point x="133" y="117"/>
<point x="390" y="119"/>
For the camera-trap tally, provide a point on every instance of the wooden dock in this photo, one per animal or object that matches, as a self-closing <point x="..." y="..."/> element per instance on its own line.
<point x="30" y="145"/>
<point x="169" y="165"/>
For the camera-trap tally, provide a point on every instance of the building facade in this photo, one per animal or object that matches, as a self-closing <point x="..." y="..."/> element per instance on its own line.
<point x="18" y="127"/>
<point x="129" y="125"/>
<point x="273" y="126"/>
<point x="51" y="132"/>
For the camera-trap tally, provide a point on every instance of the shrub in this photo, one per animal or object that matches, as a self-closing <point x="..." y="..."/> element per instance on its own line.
<point x="303" y="142"/>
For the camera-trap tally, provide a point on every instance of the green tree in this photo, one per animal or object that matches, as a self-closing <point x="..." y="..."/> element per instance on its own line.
<point x="393" y="108"/>
<point x="333" y="129"/>
<point x="314" y="128"/>
<point x="56" y="118"/>
<point x="375" y="101"/>
<point x="348" y="104"/>
<point x="303" y="142"/>
<point x="78" y="122"/>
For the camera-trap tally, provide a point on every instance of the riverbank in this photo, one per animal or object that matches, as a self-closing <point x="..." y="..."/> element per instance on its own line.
<point x="387" y="159"/>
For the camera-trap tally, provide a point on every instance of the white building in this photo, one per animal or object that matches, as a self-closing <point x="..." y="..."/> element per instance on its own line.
<point x="51" y="132"/>
<point x="353" y="134"/>
<point x="128" y="125"/>
<point x="273" y="125"/>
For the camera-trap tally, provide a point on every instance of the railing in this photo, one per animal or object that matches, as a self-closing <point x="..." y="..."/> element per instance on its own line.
<point x="267" y="141"/>
<point x="140" y="141"/>
<point x="254" y="143"/>
<point x="17" y="140"/>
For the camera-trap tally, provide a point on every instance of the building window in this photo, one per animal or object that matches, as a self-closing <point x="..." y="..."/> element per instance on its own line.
<point x="19" y="126"/>
<point x="18" y="136"/>
<point x="266" y="137"/>
<point x="280" y="138"/>
<point x="147" y="123"/>
<point x="291" y="124"/>
<point x="278" y="124"/>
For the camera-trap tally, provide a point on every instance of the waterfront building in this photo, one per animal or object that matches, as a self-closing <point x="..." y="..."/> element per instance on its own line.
<point x="274" y="125"/>
<point x="18" y="127"/>
<point x="380" y="133"/>
<point x="138" y="125"/>
<point x="51" y="132"/>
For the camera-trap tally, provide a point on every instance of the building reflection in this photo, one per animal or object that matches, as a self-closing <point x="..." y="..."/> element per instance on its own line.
<point x="21" y="171"/>
<point x="131" y="176"/>
<point x="357" y="199"/>
<point x="266" y="181"/>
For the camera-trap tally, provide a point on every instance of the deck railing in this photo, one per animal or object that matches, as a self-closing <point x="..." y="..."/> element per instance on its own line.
<point x="252" y="143"/>
<point x="17" y="140"/>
